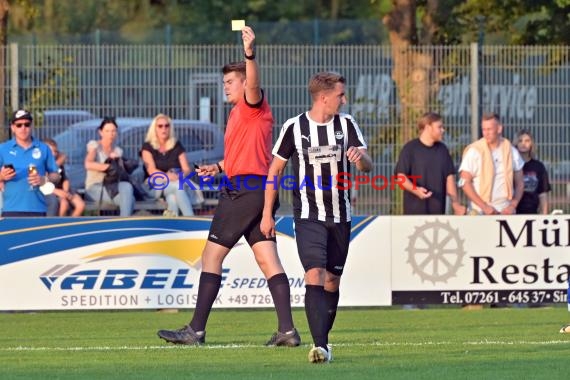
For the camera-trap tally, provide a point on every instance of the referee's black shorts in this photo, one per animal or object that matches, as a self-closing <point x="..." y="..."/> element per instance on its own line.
<point x="322" y="244"/>
<point x="239" y="212"/>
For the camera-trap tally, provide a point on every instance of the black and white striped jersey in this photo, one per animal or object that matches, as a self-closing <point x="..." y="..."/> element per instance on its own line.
<point x="318" y="153"/>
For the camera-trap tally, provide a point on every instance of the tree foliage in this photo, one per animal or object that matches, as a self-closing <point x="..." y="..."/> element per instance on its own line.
<point x="438" y="21"/>
<point x="199" y="17"/>
<point x="519" y="22"/>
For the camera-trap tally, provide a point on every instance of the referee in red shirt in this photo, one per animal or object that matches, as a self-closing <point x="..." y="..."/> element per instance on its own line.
<point x="247" y="155"/>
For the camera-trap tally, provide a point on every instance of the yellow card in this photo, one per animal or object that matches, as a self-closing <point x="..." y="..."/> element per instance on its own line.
<point x="237" y="25"/>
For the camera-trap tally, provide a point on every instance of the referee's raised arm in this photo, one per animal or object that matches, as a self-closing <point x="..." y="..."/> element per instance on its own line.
<point x="252" y="83"/>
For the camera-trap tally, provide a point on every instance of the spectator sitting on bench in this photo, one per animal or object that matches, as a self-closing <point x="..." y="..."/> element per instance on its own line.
<point x="164" y="156"/>
<point x="96" y="164"/>
<point x="62" y="189"/>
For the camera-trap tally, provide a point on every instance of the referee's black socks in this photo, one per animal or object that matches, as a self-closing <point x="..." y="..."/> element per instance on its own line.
<point x="281" y="294"/>
<point x="207" y="292"/>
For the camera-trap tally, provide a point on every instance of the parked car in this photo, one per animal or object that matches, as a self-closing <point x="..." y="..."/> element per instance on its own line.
<point x="56" y="121"/>
<point x="204" y="142"/>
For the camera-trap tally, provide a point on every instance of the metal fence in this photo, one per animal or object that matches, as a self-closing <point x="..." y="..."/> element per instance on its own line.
<point x="527" y="86"/>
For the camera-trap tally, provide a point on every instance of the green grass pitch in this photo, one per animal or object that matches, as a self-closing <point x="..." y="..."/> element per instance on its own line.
<point x="378" y="343"/>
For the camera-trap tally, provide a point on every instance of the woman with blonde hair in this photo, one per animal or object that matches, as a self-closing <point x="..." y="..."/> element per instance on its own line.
<point x="164" y="156"/>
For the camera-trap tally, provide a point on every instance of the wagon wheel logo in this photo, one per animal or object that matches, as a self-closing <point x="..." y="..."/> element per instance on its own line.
<point x="435" y="251"/>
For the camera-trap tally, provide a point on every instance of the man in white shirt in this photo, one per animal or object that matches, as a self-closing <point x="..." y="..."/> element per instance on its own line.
<point x="491" y="171"/>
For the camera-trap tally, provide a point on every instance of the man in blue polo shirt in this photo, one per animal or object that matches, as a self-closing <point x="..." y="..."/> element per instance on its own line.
<point x="24" y="163"/>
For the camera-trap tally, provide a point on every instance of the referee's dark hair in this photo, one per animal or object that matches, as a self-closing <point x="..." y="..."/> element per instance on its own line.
<point x="234" y="67"/>
<point x="324" y="81"/>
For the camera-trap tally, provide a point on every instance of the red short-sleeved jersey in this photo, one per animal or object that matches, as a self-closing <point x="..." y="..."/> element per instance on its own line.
<point x="248" y="139"/>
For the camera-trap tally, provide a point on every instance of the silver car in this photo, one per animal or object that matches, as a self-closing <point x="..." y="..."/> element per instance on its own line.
<point x="204" y="142"/>
<point x="55" y="121"/>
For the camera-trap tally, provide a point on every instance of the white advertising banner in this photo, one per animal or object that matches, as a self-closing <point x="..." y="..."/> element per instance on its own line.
<point x="137" y="263"/>
<point x="366" y="277"/>
<point x="484" y="259"/>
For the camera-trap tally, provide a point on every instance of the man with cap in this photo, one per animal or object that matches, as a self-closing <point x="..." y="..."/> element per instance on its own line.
<point x="24" y="164"/>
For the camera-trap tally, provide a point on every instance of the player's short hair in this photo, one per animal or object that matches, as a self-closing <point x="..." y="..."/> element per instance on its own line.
<point x="428" y="118"/>
<point x="234" y="67"/>
<point x="324" y="81"/>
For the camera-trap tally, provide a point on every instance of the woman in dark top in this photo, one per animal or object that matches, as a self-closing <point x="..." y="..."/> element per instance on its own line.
<point x="163" y="153"/>
<point x="536" y="184"/>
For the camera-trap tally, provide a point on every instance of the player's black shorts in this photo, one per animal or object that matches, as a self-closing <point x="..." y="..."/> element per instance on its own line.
<point x="239" y="212"/>
<point x="322" y="244"/>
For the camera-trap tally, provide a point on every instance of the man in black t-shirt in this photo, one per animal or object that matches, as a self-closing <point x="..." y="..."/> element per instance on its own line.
<point x="536" y="184"/>
<point x="429" y="162"/>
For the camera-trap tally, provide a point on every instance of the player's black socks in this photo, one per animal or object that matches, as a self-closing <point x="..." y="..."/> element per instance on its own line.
<point x="281" y="293"/>
<point x="317" y="315"/>
<point x="332" y="305"/>
<point x="207" y="293"/>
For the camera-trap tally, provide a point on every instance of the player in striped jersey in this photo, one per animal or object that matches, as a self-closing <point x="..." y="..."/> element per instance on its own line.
<point x="322" y="144"/>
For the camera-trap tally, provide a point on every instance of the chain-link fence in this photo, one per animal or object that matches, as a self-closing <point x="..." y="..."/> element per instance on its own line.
<point x="527" y="86"/>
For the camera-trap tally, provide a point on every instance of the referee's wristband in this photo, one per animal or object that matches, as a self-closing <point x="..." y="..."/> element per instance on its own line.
<point x="220" y="170"/>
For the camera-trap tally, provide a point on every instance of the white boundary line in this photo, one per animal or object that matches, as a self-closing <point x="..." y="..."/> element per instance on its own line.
<point x="238" y="346"/>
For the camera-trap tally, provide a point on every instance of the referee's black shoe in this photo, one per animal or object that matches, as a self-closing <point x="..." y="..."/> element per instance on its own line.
<point x="288" y="339"/>
<point x="185" y="335"/>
